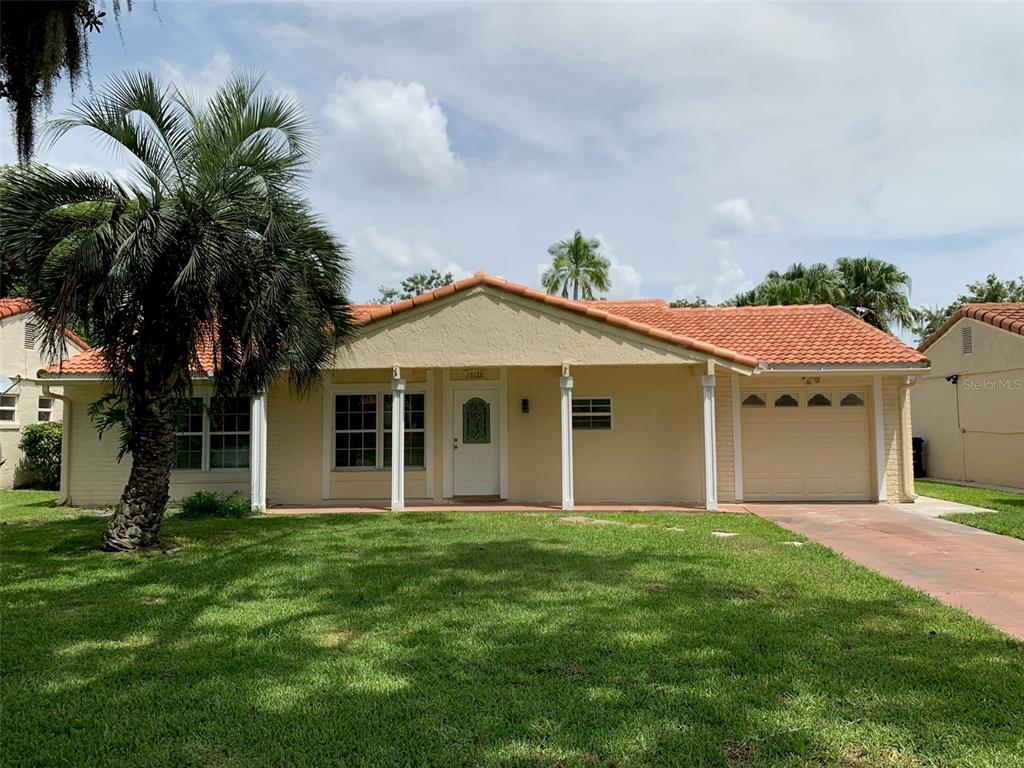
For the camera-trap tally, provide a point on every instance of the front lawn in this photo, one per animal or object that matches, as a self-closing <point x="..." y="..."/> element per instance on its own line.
<point x="1007" y="516"/>
<point x="485" y="640"/>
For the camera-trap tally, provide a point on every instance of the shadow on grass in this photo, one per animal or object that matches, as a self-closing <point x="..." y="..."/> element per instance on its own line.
<point x="485" y="640"/>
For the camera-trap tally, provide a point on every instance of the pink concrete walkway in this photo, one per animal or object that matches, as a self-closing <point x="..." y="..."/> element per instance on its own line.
<point x="981" y="572"/>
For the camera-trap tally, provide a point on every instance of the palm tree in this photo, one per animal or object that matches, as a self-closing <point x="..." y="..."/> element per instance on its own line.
<point x="816" y="284"/>
<point x="577" y="262"/>
<point x="209" y="244"/>
<point x="879" y="292"/>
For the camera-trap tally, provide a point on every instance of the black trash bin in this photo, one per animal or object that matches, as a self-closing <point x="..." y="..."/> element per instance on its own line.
<point x="918" y="444"/>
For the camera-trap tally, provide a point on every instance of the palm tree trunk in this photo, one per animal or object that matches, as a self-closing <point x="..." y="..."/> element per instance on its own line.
<point x="139" y="513"/>
<point x="575" y="290"/>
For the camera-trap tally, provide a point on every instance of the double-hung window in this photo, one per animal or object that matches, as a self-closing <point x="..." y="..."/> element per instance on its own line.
<point x="8" y="407"/>
<point x="362" y="430"/>
<point x="45" y="412"/>
<point x="212" y="433"/>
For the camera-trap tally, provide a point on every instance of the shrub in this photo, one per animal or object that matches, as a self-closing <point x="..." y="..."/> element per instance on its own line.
<point x="41" y="445"/>
<point x="213" y="504"/>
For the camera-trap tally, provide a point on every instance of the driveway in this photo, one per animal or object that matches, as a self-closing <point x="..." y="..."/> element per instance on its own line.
<point x="981" y="572"/>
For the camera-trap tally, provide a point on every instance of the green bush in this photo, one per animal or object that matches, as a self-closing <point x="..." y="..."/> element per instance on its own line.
<point x="213" y="504"/>
<point x="41" y="445"/>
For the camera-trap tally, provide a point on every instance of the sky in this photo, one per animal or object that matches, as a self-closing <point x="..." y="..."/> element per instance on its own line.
<point x="702" y="144"/>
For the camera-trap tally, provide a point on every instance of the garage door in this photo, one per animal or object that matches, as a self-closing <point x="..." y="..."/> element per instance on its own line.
<point x="805" y="445"/>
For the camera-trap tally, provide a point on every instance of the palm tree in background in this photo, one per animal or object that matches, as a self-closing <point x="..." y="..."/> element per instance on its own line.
<point x="577" y="262"/>
<point x="879" y="292"/>
<point x="208" y="245"/>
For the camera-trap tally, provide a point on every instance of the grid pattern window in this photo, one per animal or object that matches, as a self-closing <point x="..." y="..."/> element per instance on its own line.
<point x="355" y="431"/>
<point x="229" y="433"/>
<point x="8" y="407"/>
<point x="188" y="434"/>
<point x="45" y="412"/>
<point x="591" y="413"/>
<point x="415" y="431"/>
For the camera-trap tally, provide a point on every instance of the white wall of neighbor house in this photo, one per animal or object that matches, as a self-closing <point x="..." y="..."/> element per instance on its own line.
<point x="21" y="355"/>
<point x="986" y="445"/>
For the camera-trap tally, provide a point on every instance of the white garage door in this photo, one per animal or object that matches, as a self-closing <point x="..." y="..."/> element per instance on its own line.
<point x="801" y="445"/>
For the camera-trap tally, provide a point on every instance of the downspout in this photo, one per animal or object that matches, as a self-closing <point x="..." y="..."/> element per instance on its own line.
<point x="909" y="488"/>
<point x="65" y="446"/>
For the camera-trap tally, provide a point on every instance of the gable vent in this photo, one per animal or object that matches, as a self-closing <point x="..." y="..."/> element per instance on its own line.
<point x="30" y="335"/>
<point x="967" y="339"/>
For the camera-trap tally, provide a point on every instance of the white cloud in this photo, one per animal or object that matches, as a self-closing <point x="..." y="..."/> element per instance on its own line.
<point x="201" y="82"/>
<point x="735" y="218"/>
<point x="386" y="259"/>
<point x="396" y="128"/>
<point x="730" y="278"/>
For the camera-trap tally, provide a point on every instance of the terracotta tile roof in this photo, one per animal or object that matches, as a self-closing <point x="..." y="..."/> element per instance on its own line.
<point x="749" y="336"/>
<point x="804" y="334"/>
<point x="1008" y="315"/>
<point x="12" y="307"/>
<point x="90" y="363"/>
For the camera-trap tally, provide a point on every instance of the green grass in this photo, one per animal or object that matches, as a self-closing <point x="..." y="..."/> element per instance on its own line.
<point x="1007" y="516"/>
<point x="484" y="640"/>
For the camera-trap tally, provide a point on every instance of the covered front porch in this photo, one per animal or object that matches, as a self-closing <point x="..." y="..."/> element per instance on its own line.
<point x="524" y="437"/>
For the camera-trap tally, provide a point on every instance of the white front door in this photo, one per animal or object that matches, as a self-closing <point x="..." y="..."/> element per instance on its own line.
<point x="475" y="442"/>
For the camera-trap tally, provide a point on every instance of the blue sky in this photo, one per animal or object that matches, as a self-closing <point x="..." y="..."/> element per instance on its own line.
<point x="704" y="144"/>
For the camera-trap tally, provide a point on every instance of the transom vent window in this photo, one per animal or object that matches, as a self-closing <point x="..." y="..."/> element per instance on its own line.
<point x="8" y="407"/>
<point x="820" y="400"/>
<point x="851" y="399"/>
<point x="591" y="413"/>
<point x="212" y="433"/>
<point x="786" y="400"/>
<point x="362" y="430"/>
<point x="755" y="400"/>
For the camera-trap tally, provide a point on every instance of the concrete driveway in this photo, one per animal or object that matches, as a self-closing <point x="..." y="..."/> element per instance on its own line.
<point x="981" y="572"/>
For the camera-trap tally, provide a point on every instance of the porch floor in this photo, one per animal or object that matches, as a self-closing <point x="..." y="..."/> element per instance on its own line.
<point x="496" y="506"/>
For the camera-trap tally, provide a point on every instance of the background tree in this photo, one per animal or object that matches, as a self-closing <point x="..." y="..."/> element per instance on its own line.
<point x="879" y="292"/>
<point x="577" y="263"/>
<point x="992" y="288"/>
<point x="209" y="246"/>
<point x="698" y="302"/>
<point x="413" y="285"/>
<point x="42" y="41"/>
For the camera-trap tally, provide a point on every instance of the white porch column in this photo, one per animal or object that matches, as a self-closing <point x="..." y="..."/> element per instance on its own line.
<point x="258" y="453"/>
<point x="879" y="430"/>
<point x="397" y="440"/>
<point x="567" y="481"/>
<point x="707" y="384"/>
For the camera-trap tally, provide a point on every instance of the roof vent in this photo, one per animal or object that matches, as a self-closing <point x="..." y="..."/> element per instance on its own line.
<point x="967" y="340"/>
<point x="30" y="335"/>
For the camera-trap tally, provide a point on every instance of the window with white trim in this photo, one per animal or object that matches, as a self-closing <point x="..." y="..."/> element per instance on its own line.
<point x="212" y="433"/>
<point x="229" y="433"/>
<point x="45" y="409"/>
<point x="188" y="434"/>
<point x="415" y="431"/>
<point x="589" y="413"/>
<point x="8" y="407"/>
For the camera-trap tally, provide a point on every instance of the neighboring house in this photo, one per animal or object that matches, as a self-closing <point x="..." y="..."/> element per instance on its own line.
<point x="23" y="401"/>
<point x="510" y="393"/>
<point x="970" y="408"/>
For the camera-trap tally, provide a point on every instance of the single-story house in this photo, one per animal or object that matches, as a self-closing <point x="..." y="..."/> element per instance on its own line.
<point x="970" y="407"/>
<point x="485" y="389"/>
<point x="23" y="401"/>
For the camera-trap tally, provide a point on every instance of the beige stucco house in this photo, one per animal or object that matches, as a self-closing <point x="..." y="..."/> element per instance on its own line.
<point x="970" y="407"/>
<point x="22" y="399"/>
<point x="504" y="392"/>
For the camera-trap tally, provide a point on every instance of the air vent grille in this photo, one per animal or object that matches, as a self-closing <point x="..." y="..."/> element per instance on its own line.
<point x="967" y="338"/>
<point x="30" y="335"/>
